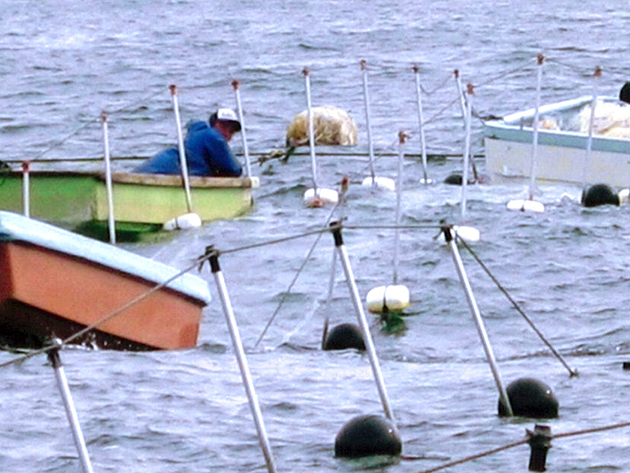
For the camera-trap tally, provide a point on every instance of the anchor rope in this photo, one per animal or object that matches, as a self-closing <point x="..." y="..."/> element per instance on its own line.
<point x="522" y="442"/>
<point x="518" y="308"/>
<point x="303" y="265"/>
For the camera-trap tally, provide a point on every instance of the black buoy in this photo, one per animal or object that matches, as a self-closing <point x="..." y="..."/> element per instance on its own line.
<point x="454" y="179"/>
<point x="624" y="93"/>
<point x="600" y="194"/>
<point x="530" y="398"/>
<point x="342" y="337"/>
<point x="366" y="436"/>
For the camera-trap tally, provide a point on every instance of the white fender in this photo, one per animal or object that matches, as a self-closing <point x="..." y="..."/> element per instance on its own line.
<point x="526" y="205"/>
<point x="470" y="234"/>
<point x="380" y="182"/>
<point x="320" y="197"/>
<point x="191" y="220"/>
<point x="390" y="298"/>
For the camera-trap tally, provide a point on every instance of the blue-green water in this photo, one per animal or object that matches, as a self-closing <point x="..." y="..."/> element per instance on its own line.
<point x="65" y="62"/>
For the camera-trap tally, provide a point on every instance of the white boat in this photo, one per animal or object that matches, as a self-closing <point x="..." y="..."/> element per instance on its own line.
<point x="565" y="151"/>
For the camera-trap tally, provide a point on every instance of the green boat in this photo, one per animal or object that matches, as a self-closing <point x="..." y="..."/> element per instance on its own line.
<point x="142" y="203"/>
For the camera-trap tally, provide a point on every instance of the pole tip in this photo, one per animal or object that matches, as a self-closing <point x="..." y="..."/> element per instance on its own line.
<point x="235" y="84"/>
<point x="540" y="58"/>
<point x="345" y="184"/>
<point x="402" y="137"/>
<point x="173" y="89"/>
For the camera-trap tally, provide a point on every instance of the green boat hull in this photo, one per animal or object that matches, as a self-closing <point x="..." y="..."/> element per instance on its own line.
<point x="141" y="203"/>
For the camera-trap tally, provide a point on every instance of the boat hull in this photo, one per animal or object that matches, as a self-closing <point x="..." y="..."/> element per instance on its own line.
<point x="54" y="283"/>
<point x="561" y="156"/>
<point x="45" y="294"/>
<point x="68" y="197"/>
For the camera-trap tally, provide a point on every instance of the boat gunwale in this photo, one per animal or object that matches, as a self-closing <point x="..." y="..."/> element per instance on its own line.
<point x="60" y="241"/>
<point x="166" y="180"/>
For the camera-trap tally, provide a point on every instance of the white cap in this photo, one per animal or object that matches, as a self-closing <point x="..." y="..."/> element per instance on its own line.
<point x="226" y="115"/>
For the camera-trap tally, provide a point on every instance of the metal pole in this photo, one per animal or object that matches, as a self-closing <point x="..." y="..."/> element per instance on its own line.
<point x="462" y="103"/>
<point x="532" y="172"/>
<point x="239" y="107"/>
<point x="401" y="155"/>
<point x="369" y="344"/>
<point x="448" y="235"/>
<point x="423" y="144"/>
<point x="311" y="133"/>
<point x="182" y="150"/>
<point x="26" y="188"/>
<point x="108" y="182"/>
<point x="591" y="121"/>
<point x="366" y="98"/>
<point x="242" y="362"/>
<point x="468" y="118"/>
<point x="62" y="383"/>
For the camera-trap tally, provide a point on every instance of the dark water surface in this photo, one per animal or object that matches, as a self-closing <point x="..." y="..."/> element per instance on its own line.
<point x="64" y="62"/>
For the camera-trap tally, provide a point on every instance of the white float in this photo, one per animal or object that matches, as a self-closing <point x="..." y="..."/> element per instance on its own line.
<point x="526" y="205"/>
<point x="320" y="196"/>
<point x="190" y="220"/>
<point x="388" y="299"/>
<point x="380" y="182"/>
<point x="469" y="234"/>
<point x="624" y="196"/>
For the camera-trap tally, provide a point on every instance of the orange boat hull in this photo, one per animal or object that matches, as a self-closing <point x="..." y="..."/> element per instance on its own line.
<point x="46" y="294"/>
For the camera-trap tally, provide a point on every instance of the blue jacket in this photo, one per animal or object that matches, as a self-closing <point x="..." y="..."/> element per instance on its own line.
<point x="207" y="154"/>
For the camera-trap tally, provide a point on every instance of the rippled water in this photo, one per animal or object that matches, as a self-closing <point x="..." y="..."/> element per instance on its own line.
<point x="63" y="63"/>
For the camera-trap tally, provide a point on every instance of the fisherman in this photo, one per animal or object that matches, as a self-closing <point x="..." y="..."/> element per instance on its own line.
<point x="206" y="147"/>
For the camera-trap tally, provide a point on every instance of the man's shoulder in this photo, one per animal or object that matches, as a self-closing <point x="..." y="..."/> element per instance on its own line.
<point x="197" y="126"/>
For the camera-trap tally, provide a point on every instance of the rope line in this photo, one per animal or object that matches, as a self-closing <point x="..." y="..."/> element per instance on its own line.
<point x="63" y="140"/>
<point x="442" y="85"/>
<point x="517" y="307"/>
<point x="522" y="442"/>
<point x="593" y="430"/>
<point x="139" y="102"/>
<point x="303" y="265"/>
<point x="505" y="74"/>
<point x="273" y="242"/>
<point x="476" y="457"/>
<point x="91" y="122"/>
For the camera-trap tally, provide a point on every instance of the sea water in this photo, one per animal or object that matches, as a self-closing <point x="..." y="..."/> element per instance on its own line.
<point x="63" y="63"/>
